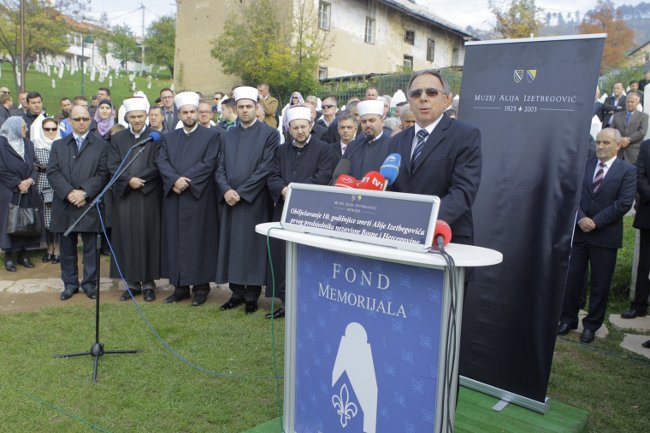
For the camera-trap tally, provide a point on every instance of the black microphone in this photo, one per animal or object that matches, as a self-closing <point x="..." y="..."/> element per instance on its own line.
<point x="343" y="167"/>
<point x="153" y="136"/>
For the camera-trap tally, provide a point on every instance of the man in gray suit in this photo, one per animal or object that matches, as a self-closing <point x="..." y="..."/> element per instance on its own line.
<point x="633" y="126"/>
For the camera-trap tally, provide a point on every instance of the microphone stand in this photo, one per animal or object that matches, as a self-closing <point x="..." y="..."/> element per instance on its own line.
<point x="97" y="349"/>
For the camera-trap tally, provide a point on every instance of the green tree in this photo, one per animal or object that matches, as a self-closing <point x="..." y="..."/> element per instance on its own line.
<point x="160" y="42"/>
<point x="520" y="20"/>
<point x="620" y="38"/>
<point x="46" y="30"/>
<point x="123" y="44"/>
<point x="259" y="44"/>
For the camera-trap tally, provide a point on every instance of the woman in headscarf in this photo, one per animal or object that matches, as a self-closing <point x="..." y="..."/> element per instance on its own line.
<point x="295" y="99"/>
<point x="18" y="177"/>
<point x="104" y="118"/>
<point x="48" y="133"/>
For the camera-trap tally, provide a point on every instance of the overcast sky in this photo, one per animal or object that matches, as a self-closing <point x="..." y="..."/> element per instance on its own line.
<point x="463" y="13"/>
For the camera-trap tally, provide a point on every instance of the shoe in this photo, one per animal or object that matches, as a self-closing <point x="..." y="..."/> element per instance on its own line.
<point x="646" y="344"/>
<point x="564" y="328"/>
<point x="10" y="265"/>
<point x="251" y="307"/>
<point x="587" y="336"/>
<point x="176" y="297"/>
<point x="126" y="296"/>
<point x="199" y="299"/>
<point x="47" y="257"/>
<point x="67" y="294"/>
<point x="56" y="259"/>
<point x="632" y="313"/>
<point x="91" y="292"/>
<point x="26" y="262"/>
<point x="149" y="295"/>
<point x="105" y="252"/>
<point x="232" y="303"/>
<point x="277" y="314"/>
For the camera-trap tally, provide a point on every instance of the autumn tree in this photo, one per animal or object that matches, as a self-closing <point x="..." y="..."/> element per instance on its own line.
<point x="46" y="30"/>
<point x="160" y="42"/>
<point x="123" y="45"/>
<point x="259" y="45"/>
<point x="520" y="20"/>
<point x="620" y="38"/>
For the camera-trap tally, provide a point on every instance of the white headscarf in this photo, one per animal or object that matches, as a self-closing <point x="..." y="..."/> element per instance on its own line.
<point x="40" y="140"/>
<point x="12" y="130"/>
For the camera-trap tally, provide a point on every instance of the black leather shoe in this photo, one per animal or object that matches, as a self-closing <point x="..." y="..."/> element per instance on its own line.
<point x="199" y="299"/>
<point x="149" y="295"/>
<point x="232" y="303"/>
<point x="564" y="328"/>
<point x="251" y="307"/>
<point x="176" y="297"/>
<point x="127" y="297"/>
<point x="56" y="259"/>
<point x="26" y="262"/>
<point x="10" y="266"/>
<point x="587" y="336"/>
<point x="47" y="257"/>
<point x="632" y="313"/>
<point x="277" y="314"/>
<point x="91" y="292"/>
<point x="67" y="294"/>
<point x="646" y="344"/>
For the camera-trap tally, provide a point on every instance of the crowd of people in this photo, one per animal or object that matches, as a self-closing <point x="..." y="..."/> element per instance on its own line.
<point x="187" y="205"/>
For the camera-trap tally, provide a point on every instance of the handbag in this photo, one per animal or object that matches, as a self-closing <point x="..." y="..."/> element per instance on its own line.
<point x="24" y="221"/>
<point x="47" y="195"/>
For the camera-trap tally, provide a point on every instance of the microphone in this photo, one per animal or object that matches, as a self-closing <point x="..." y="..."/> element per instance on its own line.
<point x="373" y="181"/>
<point x="441" y="234"/>
<point x="153" y="136"/>
<point x="343" y="167"/>
<point x="346" y="181"/>
<point x="390" y="168"/>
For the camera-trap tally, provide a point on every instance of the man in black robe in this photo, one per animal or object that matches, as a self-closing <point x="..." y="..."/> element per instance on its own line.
<point x="305" y="159"/>
<point x="244" y="166"/>
<point x="77" y="171"/>
<point x="187" y="161"/>
<point x="137" y="205"/>
<point x="368" y="151"/>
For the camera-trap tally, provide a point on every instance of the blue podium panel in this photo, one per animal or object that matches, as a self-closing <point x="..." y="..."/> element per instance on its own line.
<point x="367" y="344"/>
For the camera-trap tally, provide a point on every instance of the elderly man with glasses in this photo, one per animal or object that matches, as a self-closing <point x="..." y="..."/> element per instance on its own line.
<point x="77" y="171"/>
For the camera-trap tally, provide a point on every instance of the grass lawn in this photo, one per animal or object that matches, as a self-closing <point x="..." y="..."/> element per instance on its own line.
<point x="155" y="391"/>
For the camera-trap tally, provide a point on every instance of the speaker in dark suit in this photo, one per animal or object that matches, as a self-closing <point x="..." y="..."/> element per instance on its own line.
<point x="639" y="306"/>
<point x="448" y="161"/>
<point x="608" y="191"/>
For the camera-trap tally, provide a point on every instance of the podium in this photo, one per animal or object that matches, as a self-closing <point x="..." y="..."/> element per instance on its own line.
<point x="371" y="334"/>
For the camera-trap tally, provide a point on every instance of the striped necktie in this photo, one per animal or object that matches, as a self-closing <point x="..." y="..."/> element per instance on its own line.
<point x="422" y="137"/>
<point x="600" y="175"/>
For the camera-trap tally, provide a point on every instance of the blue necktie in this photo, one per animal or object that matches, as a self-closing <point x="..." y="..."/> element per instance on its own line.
<point x="422" y="137"/>
<point x="80" y="142"/>
<point x="628" y="118"/>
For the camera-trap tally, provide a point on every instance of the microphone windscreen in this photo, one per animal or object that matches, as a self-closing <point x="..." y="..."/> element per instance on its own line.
<point x="372" y="180"/>
<point x="442" y="229"/>
<point x="390" y="168"/>
<point x="346" y="181"/>
<point x="343" y="167"/>
<point x="155" y="135"/>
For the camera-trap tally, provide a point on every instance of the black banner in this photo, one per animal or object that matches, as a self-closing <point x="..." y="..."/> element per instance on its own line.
<point x="533" y="102"/>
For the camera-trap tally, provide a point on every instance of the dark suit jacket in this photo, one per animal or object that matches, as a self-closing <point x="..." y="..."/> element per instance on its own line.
<point x="170" y="127"/>
<point x="642" y="217"/>
<point x="607" y="206"/>
<point x="609" y="108"/>
<point x="70" y="169"/>
<point x="635" y="131"/>
<point x="449" y="167"/>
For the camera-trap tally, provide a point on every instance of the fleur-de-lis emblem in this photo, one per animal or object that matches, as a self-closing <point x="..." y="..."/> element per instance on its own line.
<point x="344" y="407"/>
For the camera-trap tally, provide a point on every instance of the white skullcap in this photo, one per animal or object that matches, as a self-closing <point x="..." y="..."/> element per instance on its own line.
<point x="187" y="98"/>
<point x="298" y="112"/>
<point x="371" y="107"/>
<point x="245" y="92"/>
<point x="135" y="104"/>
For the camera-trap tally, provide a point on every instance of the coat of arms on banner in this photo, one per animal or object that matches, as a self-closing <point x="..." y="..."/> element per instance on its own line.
<point x="354" y="358"/>
<point x="519" y="75"/>
<point x="530" y="75"/>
